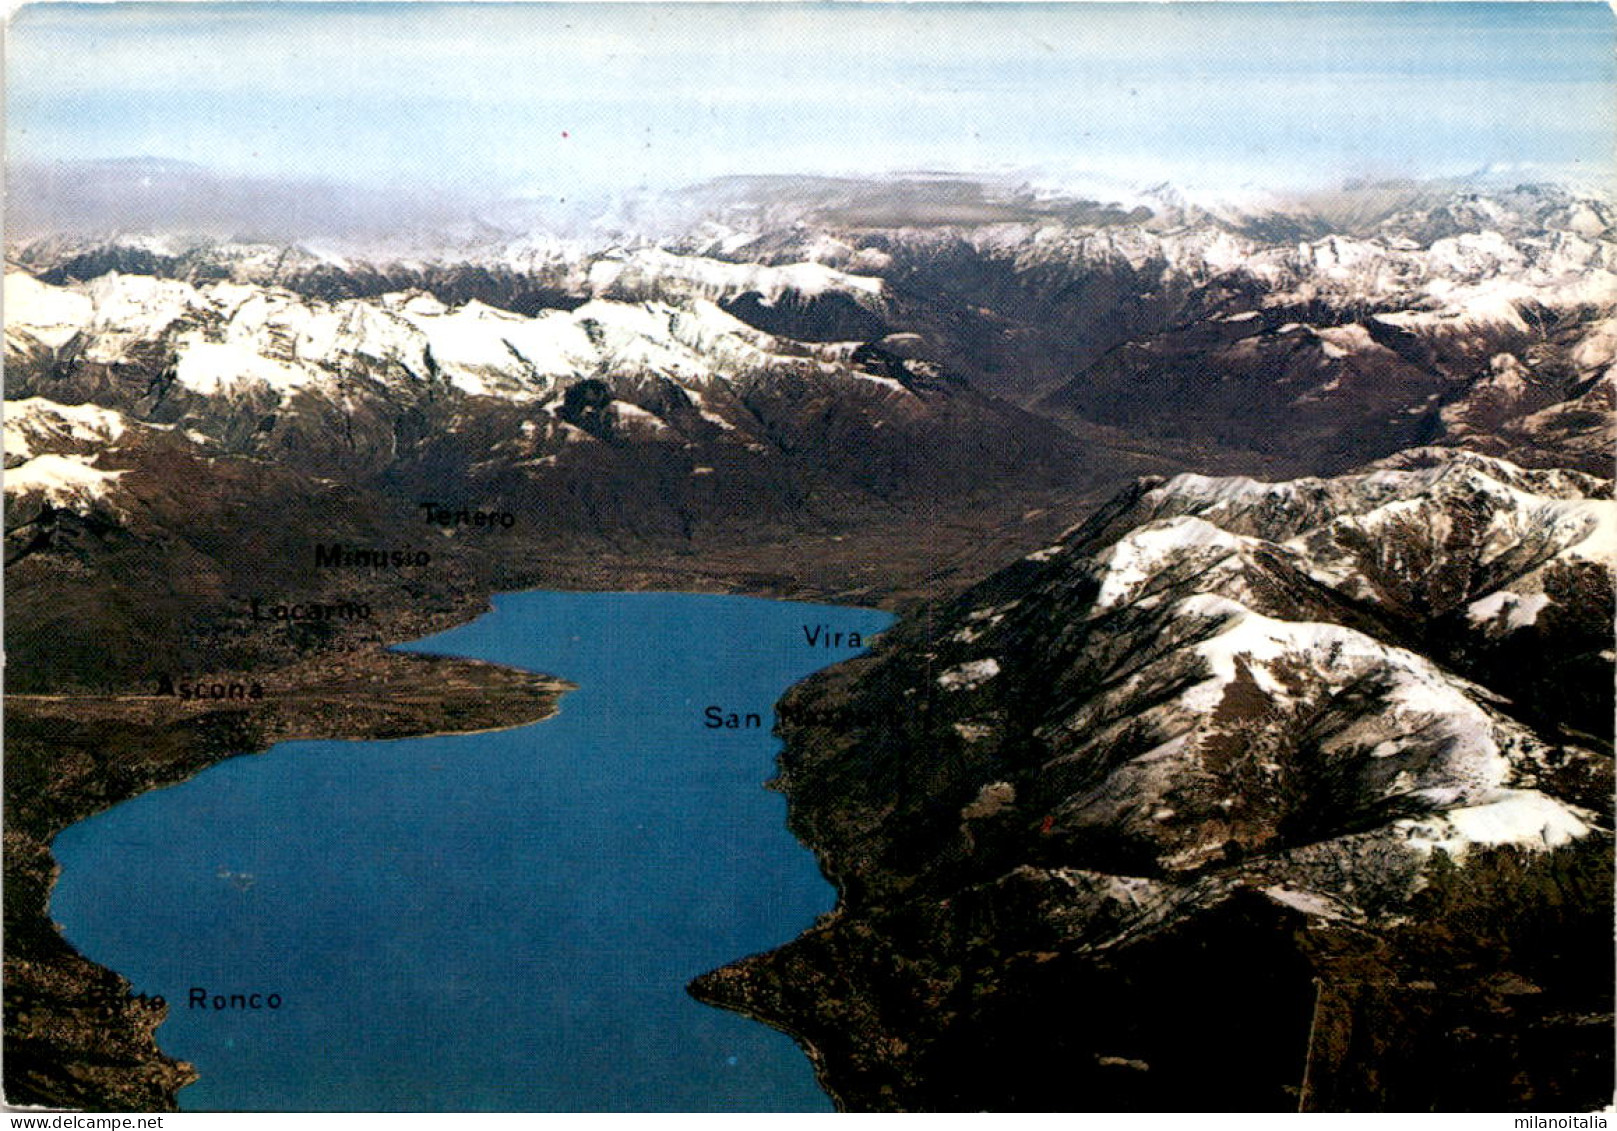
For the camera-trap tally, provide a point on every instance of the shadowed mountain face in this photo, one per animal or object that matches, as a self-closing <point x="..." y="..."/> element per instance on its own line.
<point x="1227" y="801"/>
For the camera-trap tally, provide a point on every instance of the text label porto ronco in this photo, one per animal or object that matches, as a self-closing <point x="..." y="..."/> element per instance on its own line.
<point x="197" y="997"/>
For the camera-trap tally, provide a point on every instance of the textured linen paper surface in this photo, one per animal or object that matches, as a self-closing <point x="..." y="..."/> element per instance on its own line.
<point x="790" y="557"/>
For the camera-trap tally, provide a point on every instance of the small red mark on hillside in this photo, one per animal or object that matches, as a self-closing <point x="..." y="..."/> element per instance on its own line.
<point x="1047" y="825"/>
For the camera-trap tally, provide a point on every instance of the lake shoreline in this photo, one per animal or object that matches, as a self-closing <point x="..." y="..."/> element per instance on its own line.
<point x="77" y="1037"/>
<point x="301" y="703"/>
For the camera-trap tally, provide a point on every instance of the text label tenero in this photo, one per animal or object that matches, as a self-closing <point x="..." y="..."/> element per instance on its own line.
<point x="451" y="516"/>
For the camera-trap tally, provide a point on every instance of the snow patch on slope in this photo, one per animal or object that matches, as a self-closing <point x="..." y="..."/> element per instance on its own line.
<point x="68" y="482"/>
<point x="1139" y="555"/>
<point x="53" y="315"/>
<point x="653" y="272"/>
<point x="1524" y="818"/>
<point x="972" y="674"/>
<point x="36" y="424"/>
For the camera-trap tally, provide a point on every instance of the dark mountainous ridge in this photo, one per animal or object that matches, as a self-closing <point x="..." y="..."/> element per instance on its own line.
<point x="1203" y="733"/>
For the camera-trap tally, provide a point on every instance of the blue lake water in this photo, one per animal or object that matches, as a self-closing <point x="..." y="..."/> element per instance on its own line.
<point x="501" y="921"/>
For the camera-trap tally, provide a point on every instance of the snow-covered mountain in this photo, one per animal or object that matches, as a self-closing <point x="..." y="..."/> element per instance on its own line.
<point x="1316" y="333"/>
<point x="1350" y="324"/>
<point x="1220" y="710"/>
<point x="1189" y="608"/>
<point x="189" y="425"/>
<point x="1291" y="759"/>
<point x="252" y="365"/>
<point x="231" y="337"/>
<point x="834" y="365"/>
<point x="51" y="452"/>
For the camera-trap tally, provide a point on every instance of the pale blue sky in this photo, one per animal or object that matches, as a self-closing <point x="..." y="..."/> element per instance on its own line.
<point x="573" y="98"/>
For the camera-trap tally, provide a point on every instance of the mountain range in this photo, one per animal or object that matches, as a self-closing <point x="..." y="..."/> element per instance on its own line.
<point x="1254" y="554"/>
<point x="1241" y="796"/>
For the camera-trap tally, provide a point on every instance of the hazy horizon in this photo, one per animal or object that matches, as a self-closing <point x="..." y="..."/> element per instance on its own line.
<point x="436" y="110"/>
